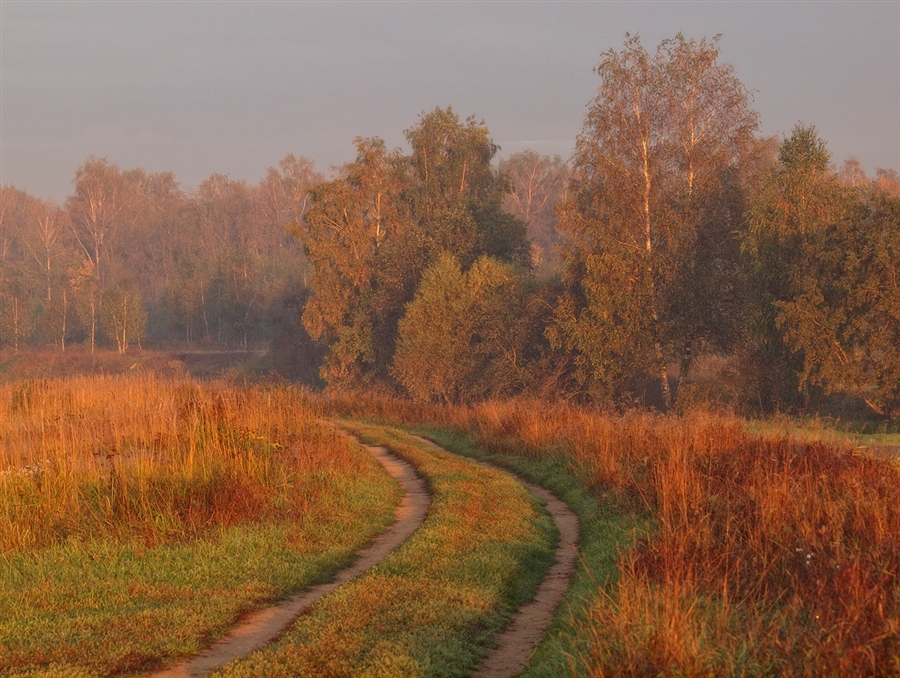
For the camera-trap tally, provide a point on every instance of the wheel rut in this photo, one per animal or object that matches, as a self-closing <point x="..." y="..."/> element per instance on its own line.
<point x="517" y="642"/>
<point x="263" y="626"/>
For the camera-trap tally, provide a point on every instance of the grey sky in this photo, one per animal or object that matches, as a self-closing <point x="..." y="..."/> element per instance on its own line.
<point x="233" y="87"/>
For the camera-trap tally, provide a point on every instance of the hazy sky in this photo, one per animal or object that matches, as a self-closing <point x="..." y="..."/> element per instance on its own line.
<point x="233" y="87"/>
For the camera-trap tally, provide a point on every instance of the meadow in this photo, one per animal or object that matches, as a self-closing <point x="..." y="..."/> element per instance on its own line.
<point x="140" y="516"/>
<point x="749" y="554"/>
<point x="431" y="607"/>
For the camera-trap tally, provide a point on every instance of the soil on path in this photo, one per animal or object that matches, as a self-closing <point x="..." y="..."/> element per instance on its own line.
<point x="262" y="627"/>
<point x="518" y="641"/>
<point x="515" y="644"/>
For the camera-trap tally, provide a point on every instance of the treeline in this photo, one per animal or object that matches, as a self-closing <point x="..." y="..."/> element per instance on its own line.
<point x="698" y="262"/>
<point x="678" y="259"/>
<point x="131" y="256"/>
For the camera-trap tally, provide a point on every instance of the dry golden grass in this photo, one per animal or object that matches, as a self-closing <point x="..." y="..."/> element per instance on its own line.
<point x="141" y="517"/>
<point x="159" y="459"/>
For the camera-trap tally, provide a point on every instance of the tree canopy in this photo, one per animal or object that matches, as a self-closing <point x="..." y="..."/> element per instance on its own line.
<point x="677" y="258"/>
<point x="654" y="154"/>
<point x="375" y="229"/>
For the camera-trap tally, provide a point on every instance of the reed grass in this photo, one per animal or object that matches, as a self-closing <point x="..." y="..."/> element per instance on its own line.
<point x="160" y="460"/>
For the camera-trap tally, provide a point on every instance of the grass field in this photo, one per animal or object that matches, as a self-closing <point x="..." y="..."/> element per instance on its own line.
<point x="140" y="517"/>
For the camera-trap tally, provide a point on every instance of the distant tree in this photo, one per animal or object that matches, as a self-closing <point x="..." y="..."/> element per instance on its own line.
<point x="86" y="297"/>
<point x="101" y="211"/>
<point x="663" y="131"/>
<point x="185" y="296"/>
<point x="887" y="181"/>
<point x="51" y="252"/>
<point x="159" y="235"/>
<point x="852" y="174"/>
<point x="123" y="314"/>
<point x="17" y="316"/>
<point x="13" y="206"/>
<point x="539" y="184"/>
<point x="285" y="196"/>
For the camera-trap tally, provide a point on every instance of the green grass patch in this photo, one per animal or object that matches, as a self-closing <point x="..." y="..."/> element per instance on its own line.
<point x="108" y="607"/>
<point x="432" y="606"/>
<point x="879" y="438"/>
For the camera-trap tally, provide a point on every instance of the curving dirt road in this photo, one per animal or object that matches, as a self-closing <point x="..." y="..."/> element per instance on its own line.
<point x="263" y="626"/>
<point x="514" y="645"/>
<point x="529" y="623"/>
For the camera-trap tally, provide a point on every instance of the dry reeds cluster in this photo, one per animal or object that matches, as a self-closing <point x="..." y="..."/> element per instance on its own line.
<point x="154" y="459"/>
<point x="769" y="555"/>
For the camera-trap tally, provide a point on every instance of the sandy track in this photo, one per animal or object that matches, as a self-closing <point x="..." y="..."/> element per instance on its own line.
<point x="514" y="645"/>
<point x="517" y="642"/>
<point x="262" y="627"/>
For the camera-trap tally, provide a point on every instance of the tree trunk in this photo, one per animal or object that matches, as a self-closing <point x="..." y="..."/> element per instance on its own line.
<point x="648" y="244"/>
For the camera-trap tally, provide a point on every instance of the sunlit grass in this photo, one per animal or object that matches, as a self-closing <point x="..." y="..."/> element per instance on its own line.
<point x="140" y="517"/>
<point x="604" y="528"/>
<point x="765" y="554"/>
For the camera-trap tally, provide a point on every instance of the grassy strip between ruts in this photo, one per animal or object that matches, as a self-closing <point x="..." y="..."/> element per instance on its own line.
<point x="113" y="599"/>
<point x="432" y="606"/>
<point x="605" y="530"/>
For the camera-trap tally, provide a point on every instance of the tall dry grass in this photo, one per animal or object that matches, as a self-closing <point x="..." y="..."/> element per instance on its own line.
<point x="154" y="459"/>
<point x="768" y="556"/>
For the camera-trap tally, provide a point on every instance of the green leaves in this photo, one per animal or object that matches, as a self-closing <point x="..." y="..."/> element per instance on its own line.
<point x="824" y="260"/>
<point x="458" y="339"/>
<point x="374" y="231"/>
<point x="653" y="167"/>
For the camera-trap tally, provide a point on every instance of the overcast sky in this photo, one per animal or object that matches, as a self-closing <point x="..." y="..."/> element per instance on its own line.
<point x="233" y="87"/>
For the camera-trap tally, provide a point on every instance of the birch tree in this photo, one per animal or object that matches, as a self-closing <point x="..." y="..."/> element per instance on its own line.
<point x="539" y="184"/>
<point x="100" y="212"/>
<point x="348" y="222"/>
<point x="662" y="126"/>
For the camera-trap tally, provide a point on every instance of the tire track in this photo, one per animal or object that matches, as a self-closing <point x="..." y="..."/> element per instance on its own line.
<point x="517" y="642"/>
